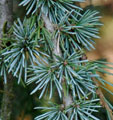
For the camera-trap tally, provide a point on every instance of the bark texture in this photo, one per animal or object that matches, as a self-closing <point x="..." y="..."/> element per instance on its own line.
<point x="7" y="101"/>
<point x="6" y="15"/>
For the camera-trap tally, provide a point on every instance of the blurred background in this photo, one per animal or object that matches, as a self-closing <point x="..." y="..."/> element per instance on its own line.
<point x="24" y="103"/>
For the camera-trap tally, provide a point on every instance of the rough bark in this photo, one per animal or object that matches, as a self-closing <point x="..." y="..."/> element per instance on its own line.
<point x="7" y="101"/>
<point x="67" y="100"/>
<point x="6" y="15"/>
<point x="6" y="12"/>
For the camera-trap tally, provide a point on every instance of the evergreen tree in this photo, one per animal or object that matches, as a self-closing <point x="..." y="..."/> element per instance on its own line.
<point x="48" y="48"/>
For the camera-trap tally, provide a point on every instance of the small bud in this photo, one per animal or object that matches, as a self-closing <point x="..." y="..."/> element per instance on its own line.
<point x="62" y="107"/>
<point x="65" y="63"/>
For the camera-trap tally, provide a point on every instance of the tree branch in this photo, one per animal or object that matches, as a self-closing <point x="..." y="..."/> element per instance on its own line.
<point x="50" y="27"/>
<point x="67" y="100"/>
<point x="102" y="100"/>
<point x="100" y="94"/>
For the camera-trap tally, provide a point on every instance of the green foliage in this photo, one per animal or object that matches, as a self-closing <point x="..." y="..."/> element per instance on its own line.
<point x="78" y="110"/>
<point x="45" y="76"/>
<point x="53" y="8"/>
<point x="23" y="49"/>
<point x="78" y="31"/>
<point x="31" y="57"/>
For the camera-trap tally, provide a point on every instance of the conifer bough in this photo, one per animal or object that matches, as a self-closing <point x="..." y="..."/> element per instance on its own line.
<point x="48" y="50"/>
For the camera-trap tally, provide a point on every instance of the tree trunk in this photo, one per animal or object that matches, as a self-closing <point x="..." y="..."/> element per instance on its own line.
<point x="6" y="15"/>
<point x="7" y="101"/>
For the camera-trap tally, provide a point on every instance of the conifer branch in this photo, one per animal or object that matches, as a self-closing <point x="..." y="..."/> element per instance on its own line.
<point x="100" y="94"/>
<point x="50" y="27"/>
<point x="102" y="100"/>
<point x="67" y="100"/>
